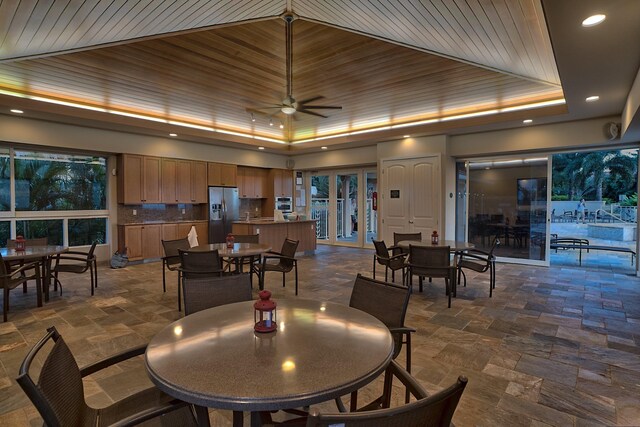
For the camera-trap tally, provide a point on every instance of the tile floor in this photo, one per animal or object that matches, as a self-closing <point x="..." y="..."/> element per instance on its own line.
<point x="555" y="346"/>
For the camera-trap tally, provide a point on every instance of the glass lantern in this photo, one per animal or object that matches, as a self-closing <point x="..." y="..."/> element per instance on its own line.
<point x="434" y="237"/>
<point x="230" y="240"/>
<point x="265" y="313"/>
<point x="21" y="243"/>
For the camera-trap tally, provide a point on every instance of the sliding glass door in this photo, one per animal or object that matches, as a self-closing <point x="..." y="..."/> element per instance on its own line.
<point x="507" y="200"/>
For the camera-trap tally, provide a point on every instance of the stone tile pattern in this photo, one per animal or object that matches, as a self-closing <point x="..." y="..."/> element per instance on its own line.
<point x="555" y="346"/>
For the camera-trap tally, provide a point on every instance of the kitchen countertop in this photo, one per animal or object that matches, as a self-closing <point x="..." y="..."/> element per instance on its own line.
<point x="262" y="221"/>
<point x="165" y="222"/>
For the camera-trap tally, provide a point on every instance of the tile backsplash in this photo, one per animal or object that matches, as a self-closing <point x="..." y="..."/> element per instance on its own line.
<point x="161" y="213"/>
<point x="253" y="206"/>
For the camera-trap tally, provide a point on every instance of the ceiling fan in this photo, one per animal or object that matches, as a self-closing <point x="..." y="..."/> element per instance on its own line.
<point x="290" y="105"/>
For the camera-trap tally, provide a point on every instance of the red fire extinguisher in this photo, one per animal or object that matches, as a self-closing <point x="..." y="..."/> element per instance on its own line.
<point x="374" y="201"/>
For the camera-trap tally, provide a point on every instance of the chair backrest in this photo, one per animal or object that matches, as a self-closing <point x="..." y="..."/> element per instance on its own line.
<point x="382" y="252"/>
<point x="496" y="243"/>
<point x="92" y="249"/>
<point x="399" y="237"/>
<point x="171" y="247"/>
<point x="59" y="393"/>
<point x="40" y="241"/>
<point x="247" y="238"/>
<point x="427" y="411"/>
<point x="432" y="261"/>
<point x="203" y="293"/>
<point x="385" y="301"/>
<point x="289" y="248"/>
<point x="200" y="263"/>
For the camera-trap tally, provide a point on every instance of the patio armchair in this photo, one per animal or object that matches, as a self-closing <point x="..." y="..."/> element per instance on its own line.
<point x="11" y="279"/>
<point x="286" y="262"/>
<point x="58" y="392"/>
<point x="390" y="262"/>
<point x="198" y="265"/>
<point x="80" y="262"/>
<point x="171" y="258"/>
<point x="479" y="261"/>
<point x="399" y="237"/>
<point x="208" y="292"/>
<point x="426" y="411"/>
<point x="11" y="244"/>
<point x="432" y="261"/>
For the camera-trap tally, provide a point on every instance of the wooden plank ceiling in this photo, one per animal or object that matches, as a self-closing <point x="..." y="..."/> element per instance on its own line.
<point x="213" y="75"/>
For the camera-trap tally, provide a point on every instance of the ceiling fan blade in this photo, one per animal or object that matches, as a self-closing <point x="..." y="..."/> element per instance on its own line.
<point x="312" y="113"/>
<point x="315" y="98"/>
<point x="321" y="107"/>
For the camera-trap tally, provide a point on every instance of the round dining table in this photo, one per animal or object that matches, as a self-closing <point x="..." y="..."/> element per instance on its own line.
<point x="320" y="351"/>
<point x="454" y="245"/>
<point x="239" y="250"/>
<point x="41" y="253"/>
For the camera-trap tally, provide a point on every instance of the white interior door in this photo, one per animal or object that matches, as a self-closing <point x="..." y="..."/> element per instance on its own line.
<point x="410" y="196"/>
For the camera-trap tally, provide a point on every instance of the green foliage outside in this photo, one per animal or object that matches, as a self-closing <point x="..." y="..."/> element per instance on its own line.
<point x="598" y="175"/>
<point x="4" y="233"/>
<point x="35" y="229"/>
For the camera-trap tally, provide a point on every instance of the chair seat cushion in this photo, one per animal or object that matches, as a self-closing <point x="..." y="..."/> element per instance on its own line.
<point x="71" y="268"/>
<point x="274" y="267"/>
<point x="145" y="399"/>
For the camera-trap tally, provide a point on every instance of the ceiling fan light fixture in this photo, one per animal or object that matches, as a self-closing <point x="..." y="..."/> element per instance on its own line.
<point x="288" y="109"/>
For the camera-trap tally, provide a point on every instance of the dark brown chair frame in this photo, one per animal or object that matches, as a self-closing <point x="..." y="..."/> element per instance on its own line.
<point x="11" y="279"/>
<point x="208" y="292"/>
<point x="287" y="262"/>
<point x="427" y="411"/>
<point x="480" y="261"/>
<point x="38" y="241"/>
<point x="83" y="261"/>
<point x="195" y="271"/>
<point x="390" y="262"/>
<point x="61" y="382"/>
<point x="441" y="270"/>
<point x="171" y="258"/>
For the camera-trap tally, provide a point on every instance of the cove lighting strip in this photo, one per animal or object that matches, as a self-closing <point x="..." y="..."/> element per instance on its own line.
<point x="137" y="116"/>
<point x="442" y="119"/>
<point x="277" y="141"/>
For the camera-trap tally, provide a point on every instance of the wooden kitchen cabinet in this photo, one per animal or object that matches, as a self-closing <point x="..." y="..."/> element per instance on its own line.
<point x="141" y="241"/>
<point x="282" y="181"/>
<point x="139" y="179"/>
<point x="184" y="181"/>
<point x="170" y="231"/>
<point x="169" y="172"/>
<point x="222" y="175"/>
<point x="199" y="187"/>
<point x="252" y="183"/>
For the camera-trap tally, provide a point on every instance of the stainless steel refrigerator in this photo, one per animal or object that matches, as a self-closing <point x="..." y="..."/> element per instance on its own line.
<point x="224" y="209"/>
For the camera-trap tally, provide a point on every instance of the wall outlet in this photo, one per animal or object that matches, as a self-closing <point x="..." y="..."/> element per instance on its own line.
<point x="183" y="211"/>
<point x="257" y="231"/>
<point x="135" y="212"/>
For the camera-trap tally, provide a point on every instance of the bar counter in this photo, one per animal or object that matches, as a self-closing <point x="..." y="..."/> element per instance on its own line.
<point x="273" y="232"/>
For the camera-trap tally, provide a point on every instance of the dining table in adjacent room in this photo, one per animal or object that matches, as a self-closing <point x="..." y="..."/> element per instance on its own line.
<point x="319" y="352"/>
<point x="32" y="253"/>
<point x="454" y="245"/>
<point x="235" y="252"/>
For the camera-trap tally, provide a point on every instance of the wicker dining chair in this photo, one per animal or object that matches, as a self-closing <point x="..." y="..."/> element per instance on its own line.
<point x="202" y="293"/>
<point x="432" y="261"/>
<point x="58" y="392"/>
<point x="11" y="279"/>
<point x="436" y="410"/>
<point x="400" y="237"/>
<point x="251" y="262"/>
<point x="198" y="265"/>
<point x="286" y="262"/>
<point x="171" y="258"/>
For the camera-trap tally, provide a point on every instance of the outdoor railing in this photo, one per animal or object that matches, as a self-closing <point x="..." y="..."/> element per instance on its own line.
<point x="320" y="212"/>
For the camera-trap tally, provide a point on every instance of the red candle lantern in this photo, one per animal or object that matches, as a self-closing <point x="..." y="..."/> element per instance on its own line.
<point x="434" y="237"/>
<point x="230" y="240"/>
<point x="21" y="243"/>
<point x="265" y="313"/>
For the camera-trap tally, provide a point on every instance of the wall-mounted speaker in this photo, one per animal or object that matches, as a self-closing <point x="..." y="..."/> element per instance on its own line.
<point x="290" y="163"/>
<point x="611" y="130"/>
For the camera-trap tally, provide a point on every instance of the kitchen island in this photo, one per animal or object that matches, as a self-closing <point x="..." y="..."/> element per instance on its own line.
<point x="273" y="232"/>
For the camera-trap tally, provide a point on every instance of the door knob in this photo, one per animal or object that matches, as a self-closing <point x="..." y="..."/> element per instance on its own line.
<point x="410" y="222"/>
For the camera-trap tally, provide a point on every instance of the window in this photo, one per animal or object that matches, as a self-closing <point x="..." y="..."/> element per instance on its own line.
<point x="86" y="231"/>
<point x="5" y="180"/>
<point x="5" y="229"/>
<point x="59" y="182"/>
<point x="36" y="228"/>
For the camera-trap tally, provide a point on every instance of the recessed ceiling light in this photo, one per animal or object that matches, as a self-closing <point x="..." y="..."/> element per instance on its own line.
<point x="14" y="110"/>
<point x="324" y="148"/>
<point x="593" y="20"/>
<point x="406" y="136"/>
<point x="527" y="121"/>
<point x="281" y="126"/>
<point x="260" y="148"/>
<point x="592" y="98"/>
<point x="173" y="134"/>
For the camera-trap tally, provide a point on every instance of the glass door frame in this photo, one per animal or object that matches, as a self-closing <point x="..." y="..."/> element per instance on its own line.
<point x="525" y="261"/>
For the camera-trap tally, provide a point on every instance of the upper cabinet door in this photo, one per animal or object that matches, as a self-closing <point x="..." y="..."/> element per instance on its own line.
<point x="130" y="178"/>
<point x="199" y="189"/>
<point x="184" y="181"/>
<point x="151" y="184"/>
<point x="222" y="175"/>
<point x="169" y="181"/>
